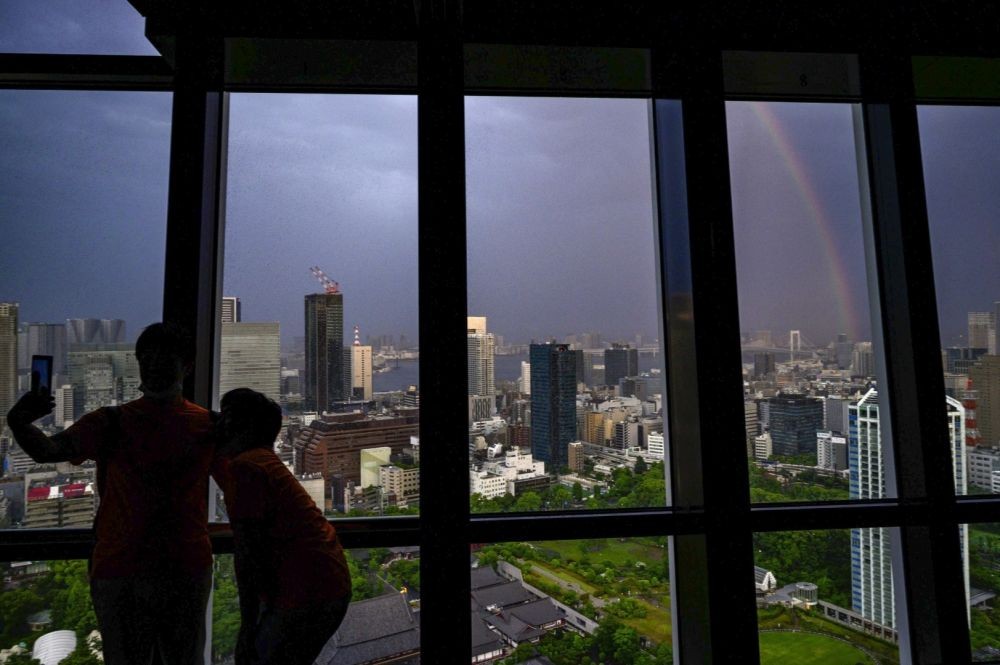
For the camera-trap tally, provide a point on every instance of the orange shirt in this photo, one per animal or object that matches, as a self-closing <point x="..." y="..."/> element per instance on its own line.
<point x="153" y="514"/>
<point x="309" y="562"/>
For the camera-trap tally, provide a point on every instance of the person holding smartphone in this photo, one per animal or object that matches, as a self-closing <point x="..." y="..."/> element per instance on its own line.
<point x="294" y="584"/>
<point x="150" y="572"/>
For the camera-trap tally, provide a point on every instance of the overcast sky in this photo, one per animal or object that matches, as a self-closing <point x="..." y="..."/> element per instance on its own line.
<point x="561" y="232"/>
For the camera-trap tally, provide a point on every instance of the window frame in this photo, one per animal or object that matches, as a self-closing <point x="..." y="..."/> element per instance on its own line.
<point x="711" y="521"/>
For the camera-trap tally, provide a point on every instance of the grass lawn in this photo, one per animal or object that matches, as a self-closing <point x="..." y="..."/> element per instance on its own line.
<point x="808" y="649"/>
<point x="774" y="617"/>
<point x="605" y="549"/>
<point x="656" y="624"/>
<point x="561" y="573"/>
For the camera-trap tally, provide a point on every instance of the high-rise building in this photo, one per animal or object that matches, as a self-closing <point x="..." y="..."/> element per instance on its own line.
<point x="325" y="371"/>
<point x="8" y="359"/>
<point x="620" y="360"/>
<point x="553" y="402"/>
<point x="750" y="422"/>
<point x="793" y="423"/>
<point x="250" y="357"/>
<point x="63" y="414"/>
<point x="481" y="359"/>
<point x="361" y="369"/>
<point x="871" y="557"/>
<point x="831" y="450"/>
<point x="95" y="331"/>
<point x="525" y="381"/>
<point x="232" y="310"/>
<point x="985" y="377"/>
<point x="575" y="456"/>
<point x="102" y="375"/>
<point x="763" y="364"/>
<point x="835" y="413"/>
<point x="980" y="324"/>
<point x="46" y="339"/>
<point x="863" y="360"/>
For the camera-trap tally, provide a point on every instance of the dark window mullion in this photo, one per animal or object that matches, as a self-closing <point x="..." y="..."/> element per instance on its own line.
<point x="444" y="560"/>
<point x="194" y="210"/>
<point x="714" y="607"/>
<point x="931" y="612"/>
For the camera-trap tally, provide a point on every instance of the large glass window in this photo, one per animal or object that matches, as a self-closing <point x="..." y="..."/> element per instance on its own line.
<point x="107" y="27"/>
<point x="565" y="365"/>
<point x="963" y="208"/>
<point x="810" y="395"/>
<point x="83" y="179"/>
<point x="320" y="289"/>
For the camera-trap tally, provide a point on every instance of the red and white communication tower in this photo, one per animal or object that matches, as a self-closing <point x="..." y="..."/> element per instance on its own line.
<point x="329" y="286"/>
<point x="969" y="404"/>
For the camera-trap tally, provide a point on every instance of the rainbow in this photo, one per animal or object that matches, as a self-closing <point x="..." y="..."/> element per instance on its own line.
<point x="797" y="168"/>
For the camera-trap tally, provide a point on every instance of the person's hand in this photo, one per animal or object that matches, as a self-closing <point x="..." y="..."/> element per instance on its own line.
<point x="30" y="408"/>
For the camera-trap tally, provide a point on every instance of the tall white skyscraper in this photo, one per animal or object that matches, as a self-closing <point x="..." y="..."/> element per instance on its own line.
<point x="871" y="558"/>
<point x="250" y="357"/>
<point x="63" y="414"/>
<point x="361" y="368"/>
<point x="525" y="377"/>
<point x="480" y="349"/>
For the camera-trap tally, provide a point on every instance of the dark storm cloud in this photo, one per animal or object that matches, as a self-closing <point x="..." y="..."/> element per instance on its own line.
<point x="560" y="216"/>
<point x="329" y="181"/>
<point x="961" y="148"/>
<point x="797" y="221"/>
<point x="83" y="185"/>
<point x="71" y="26"/>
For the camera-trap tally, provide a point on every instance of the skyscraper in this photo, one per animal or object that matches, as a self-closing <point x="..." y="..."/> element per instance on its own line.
<point x="980" y="324"/>
<point x="793" y="421"/>
<point x="871" y="556"/>
<point x="101" y="375"/>
<point x="985" y="375"/>
<point x="480" y="350"/>
<point x="48" y="339"/>
<point x="620" y="360"/>
<point x="8" y="359"/>
<point x="250" y="357"/>
<point x="95" y="331"/>
<point x="324" y="374"/>
<point x="232" y="310"/>
<point x="361" y="368"/>
<point x="863" y="360"/>
<point x="763" y="364"/>
<point x="553" y="402"/>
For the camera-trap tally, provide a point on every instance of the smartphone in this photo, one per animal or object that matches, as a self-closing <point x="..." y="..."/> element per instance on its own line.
<point x="41" y="375"/>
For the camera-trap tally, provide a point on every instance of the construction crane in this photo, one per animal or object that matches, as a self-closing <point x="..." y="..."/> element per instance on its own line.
<point x="329" y="286"/>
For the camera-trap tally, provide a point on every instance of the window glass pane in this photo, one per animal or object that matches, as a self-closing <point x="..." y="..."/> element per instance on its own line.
<point x="964" y="210"/>
<point x="573" y="601"/>
<point x="825" y="596"/>
<point x="808" y="352"/>
<point x="106" y="27"/>
<point x="382" y="623"/>
<point x="565" y="368"/>
<point x="83" y="180"/>
<point x="320" y="289"/>
<point x="47" y="610"/>
<point x="984" y="586"/>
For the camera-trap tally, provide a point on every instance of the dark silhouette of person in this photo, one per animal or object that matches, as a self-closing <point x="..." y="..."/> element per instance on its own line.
<point x="293" y="580"/>
<point x="150" y="572"/>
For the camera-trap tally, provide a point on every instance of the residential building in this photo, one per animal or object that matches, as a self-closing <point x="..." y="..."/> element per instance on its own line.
<point x="983" y="463"/>
<point x="481" y="360"/>
<point x="872" y="593"/>
<point x="575" y="456"/>
<point x="831" y="450"/>
<point x="763" y="446"/>
<point x="361" y="369"/>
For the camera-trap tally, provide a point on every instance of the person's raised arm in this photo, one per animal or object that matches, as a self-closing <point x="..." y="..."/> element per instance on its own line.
<point x="40" y="447"/>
